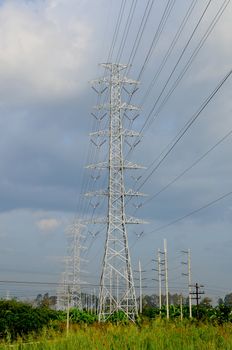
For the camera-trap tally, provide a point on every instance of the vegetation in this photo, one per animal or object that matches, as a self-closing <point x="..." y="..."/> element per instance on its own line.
<point x="23" y="326"/>
<point x="19" y="319"/>
<point x="155" y="335"/>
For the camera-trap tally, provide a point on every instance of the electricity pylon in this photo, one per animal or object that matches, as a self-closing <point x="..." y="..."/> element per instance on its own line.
<point x="117" y="290"/>
<point x="62" y="290"/>
<point x="75" y="248"/>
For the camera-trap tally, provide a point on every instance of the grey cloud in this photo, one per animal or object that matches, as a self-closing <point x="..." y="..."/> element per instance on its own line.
<point x="45" y="105"/>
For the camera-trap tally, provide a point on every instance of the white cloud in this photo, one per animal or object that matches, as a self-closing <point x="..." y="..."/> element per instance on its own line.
<point x="39" y="56"/>
<point x="47" y="225"/>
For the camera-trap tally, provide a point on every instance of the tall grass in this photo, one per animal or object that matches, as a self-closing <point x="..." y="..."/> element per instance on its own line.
<point x="156" y="335"/>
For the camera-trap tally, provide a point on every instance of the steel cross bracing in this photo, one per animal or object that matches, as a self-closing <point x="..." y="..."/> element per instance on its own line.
<point x="70" y="290"/>
<point x="117" y="290"/>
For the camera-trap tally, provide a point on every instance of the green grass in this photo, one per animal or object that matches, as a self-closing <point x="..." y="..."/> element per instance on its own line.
<point x="157" y="335"/>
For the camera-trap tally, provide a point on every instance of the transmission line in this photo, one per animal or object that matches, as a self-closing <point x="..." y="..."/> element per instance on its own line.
<point x="140" y="32"/>
<point x="116" y="31"/>
<point x="173" y="222"/>
<point x="189" y="62"/>
<point x="187" y="126"/>
<point x="182" y="73"/>
<point x="168" y="8"/>
<point x="170" y="49"/>
<point x="189" y="167"/>
<point x="126" y="30"/>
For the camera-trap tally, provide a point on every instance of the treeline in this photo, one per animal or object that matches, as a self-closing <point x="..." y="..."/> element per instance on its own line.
<point x="205" y="313"/>
<point x="18" y="319"/>
<point x="174" y="299"/>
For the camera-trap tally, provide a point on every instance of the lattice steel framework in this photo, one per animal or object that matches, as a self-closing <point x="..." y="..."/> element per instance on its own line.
<point x="117" y="290"/>
<point x="69" y="292"/>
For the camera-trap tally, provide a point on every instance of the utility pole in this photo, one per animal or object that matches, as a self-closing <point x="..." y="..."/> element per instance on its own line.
<point x="181" y="307"/>
<point x="116" y="255"/>
<point x="140" y="279"/>
<point x="91" y="305"/>
<point x="94" y="301"/>
<point x="140" y="289"/>
<point x="68" y="307"/>
<point x="189" y="274"/>
<point x="86" y="301"/>
<point x="117" y="290"/>
<point x="165" y="253"/>
<point x="111" y="290"/>
<point x="159" y="280"/>
<point x="197" y="294"/>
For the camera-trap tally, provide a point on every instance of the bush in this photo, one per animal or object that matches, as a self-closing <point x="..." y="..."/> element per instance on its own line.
<point x="78" y="316"/>
<point x="118" y="317"/>
<point x="18" y="319"/>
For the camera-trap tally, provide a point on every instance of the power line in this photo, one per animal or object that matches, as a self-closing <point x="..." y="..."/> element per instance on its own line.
<point x="173" y="222"/>
<point x="189" y="167"/>
<point x="184" y="70"/>
<point x="161" y="25"/>
<point x="170" y="49"/>
<point x="177" y="63"/>
<point x="140" y="32"/>
<point x="117" y="27"/>
<point x="85" y="179"/>
<point x="126" y="30"/>
<point x="92" y="156"/>
<point x="187" y="126"/>
<point x="189" y="62"/>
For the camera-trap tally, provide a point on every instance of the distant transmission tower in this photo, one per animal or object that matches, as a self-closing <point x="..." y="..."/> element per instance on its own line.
<point x="75" y="248"/>
<point x="117" y="290"/>
<point x="69" y="292"/>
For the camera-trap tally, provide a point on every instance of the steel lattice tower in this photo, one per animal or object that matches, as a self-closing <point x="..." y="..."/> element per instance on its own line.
<point x="76" y="236"/>
<point x="69" y="292"/>
<point x="117" y="290"/>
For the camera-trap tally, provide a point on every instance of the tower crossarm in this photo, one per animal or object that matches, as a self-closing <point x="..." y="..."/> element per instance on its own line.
<point x="104" y="220"/>
<point x="129" y="192"/>
<point x="125" y="165"/>
<point x="129" y="133"/>
<point x="106" y="81"/>
<point x="123" y="106"/>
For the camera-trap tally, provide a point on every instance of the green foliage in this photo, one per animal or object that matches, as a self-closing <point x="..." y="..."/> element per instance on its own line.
<point x="151" y="312"/>
<point x="45" y="300"/>
<point x="153" y="335"/>
<point x="78" y="316"/>
<point x="228" y="300"/>
<point x="222" y="313"/>
<point x="219" y="314"/>
<point x="19" y="319"/>
<point x="118" y="317"/>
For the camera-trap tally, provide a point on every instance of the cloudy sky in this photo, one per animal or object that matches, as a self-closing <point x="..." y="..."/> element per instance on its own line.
<point x="49" y="52"/>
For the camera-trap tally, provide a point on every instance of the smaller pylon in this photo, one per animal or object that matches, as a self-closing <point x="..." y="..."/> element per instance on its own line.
<point x="69" y="291"/>
<point x="75" y="248"/>
<point x="62" y="290"/>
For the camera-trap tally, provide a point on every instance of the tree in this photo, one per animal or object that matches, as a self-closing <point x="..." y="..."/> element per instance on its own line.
<point x="228" y="299"/>
<point x="207" y="302"/>
<point x="45" y="300"/>
<point x="19" y="319"/>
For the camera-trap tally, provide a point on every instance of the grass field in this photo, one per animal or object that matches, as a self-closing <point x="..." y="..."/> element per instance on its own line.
<point x="157" y="335"/>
